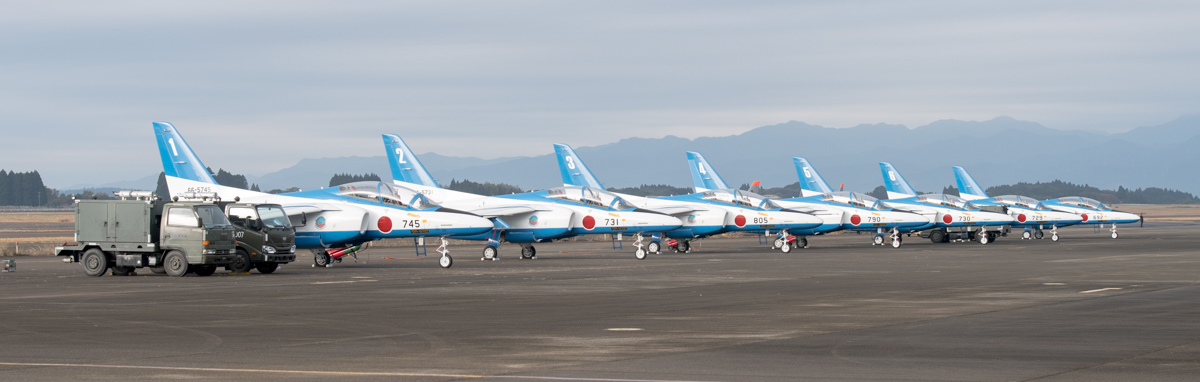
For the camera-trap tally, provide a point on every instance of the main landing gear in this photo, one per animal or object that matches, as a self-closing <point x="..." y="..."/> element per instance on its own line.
<point x="677" y="246"/>
<point x="786" y="241"/>
<point x="528" y="251"/>
<point x="896" y="238"/>
<point x="1038" y="234"/>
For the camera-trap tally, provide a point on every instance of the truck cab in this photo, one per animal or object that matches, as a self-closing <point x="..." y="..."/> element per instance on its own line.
<point x="265" y="237"/>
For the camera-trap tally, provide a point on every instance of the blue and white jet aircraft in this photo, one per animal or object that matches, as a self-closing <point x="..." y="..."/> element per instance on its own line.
<point x="1027" y="212"/>
<point x="704" y="213"/>
<point x="342" y="216"/>
<point x="527" y="218"/>
<point x="1092" y="211"/>
<point x="851" y="211"/>
<point x="953" y="217"/>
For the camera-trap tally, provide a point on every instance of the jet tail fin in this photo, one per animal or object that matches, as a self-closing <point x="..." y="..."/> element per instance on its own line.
<point x="967" y="188"/>
<point x="404" y="164"/>
<point x="895" y="184"/>
<point x="811" y="182"/>
<point x="756" y="187"/>
<point x="178" y="159"/>
<point x="574" y="172"/>
<point x="703" y="176"/>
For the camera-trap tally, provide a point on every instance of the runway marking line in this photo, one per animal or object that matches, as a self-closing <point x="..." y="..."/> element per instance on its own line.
<point x="341" y="373"/>
<point x="1099" y="290"/>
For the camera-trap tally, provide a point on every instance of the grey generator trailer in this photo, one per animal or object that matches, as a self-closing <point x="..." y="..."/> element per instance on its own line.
<point x="265" y="237"/>
<point x="143" y="231"/>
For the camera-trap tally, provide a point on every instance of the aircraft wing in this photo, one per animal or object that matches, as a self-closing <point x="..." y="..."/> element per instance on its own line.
<point x="491" y="212"/>
<point x="670" y="210"/>
<point x="304" y="209"/>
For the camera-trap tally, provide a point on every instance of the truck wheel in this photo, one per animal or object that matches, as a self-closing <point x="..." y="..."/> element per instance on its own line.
<point x="158" y="270"/>
<point x="204" y="270"/>
<point x="241" y="262"/>
<point x="122" y="271"/>
<point x="266" y="268"/>
<point x="175" y="264"/>
<point x="94" y="262"/>
<point x="937" y="236"/>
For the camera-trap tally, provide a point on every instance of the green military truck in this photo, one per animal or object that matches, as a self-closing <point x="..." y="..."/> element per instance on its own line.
<point x="141" y="230"/>
<point x="265" y="237"/>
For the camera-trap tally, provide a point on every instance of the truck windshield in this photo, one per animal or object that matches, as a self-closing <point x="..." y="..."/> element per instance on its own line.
<point x="212" y="216"/>
<point x="273" y="217"/>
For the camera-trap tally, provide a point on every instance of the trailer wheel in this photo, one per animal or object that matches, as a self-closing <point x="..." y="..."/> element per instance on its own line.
<point x="937" y="236"/>
<point x="241" y="262"/>
<point x="266" y="268"/>
<point x="158" y="270"/>
<point x="122" y="271"/>
<point x="94" y="262"/>
<point x="175" y="264"/>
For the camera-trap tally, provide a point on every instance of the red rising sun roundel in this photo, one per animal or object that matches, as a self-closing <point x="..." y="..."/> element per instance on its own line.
<point x="1021" y="218"/>
<point x="740" y="220"/>
<point x="855" y="219"/>
<point x="589" y="222"/>
<point x="1085" y="217"/>
<point x="947" y="218"/>
<point x="385" y="224"/>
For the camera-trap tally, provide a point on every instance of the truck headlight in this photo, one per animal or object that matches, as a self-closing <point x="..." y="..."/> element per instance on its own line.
<point x="268" y="249"/>
<point x="293" y="249"/>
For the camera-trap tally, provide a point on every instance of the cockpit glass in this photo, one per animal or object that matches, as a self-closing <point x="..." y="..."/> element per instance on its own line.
<point x="374" y="191"/>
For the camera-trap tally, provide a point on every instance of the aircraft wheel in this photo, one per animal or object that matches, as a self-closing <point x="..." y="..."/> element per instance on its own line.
<point x="685" y="246"/>
<point x="984" y="238"/>
<point x="1114" y="235"/>
<point x="94" y="262"/>
<point x="896" y="243"/>
<point x="653" y="247"/>
<point x="320" y="258"/>
<point x="786" y="247"/>
<point x="445" y="261"/>
<point x="640" y="254"/>
<point x="1038" y="235"/>
<point x="777" y="243"/>
<point x="1026" y="235"/>
<point x="878" y="240"/>
<point x="489" y="253"/>
<point x="804" y="242"/>
<point x="527" y="252"/>
<point x="175" y="264"/>
<point x="1054" y="237"/>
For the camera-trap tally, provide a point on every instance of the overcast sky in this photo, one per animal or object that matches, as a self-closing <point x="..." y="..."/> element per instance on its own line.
<point x="257" y="86"/>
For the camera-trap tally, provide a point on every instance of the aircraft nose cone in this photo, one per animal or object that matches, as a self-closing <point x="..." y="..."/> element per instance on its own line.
<point x="1125" y="217"/>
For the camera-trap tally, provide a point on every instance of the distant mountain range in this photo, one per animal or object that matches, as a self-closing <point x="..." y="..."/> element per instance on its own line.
<point x="999" y="151"/>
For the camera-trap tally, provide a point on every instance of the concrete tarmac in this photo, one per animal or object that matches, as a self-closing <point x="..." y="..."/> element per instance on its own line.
<point x="1086" y="308"/>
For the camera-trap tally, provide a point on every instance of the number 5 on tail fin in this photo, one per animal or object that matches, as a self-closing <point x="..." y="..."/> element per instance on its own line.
<point x="811" y="182"/>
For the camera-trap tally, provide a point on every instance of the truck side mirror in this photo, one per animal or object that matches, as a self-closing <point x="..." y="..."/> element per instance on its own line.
<point x="199" y="222"/>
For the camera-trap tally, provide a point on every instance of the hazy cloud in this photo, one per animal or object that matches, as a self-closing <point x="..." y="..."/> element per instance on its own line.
<point x="275" y="82"/>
